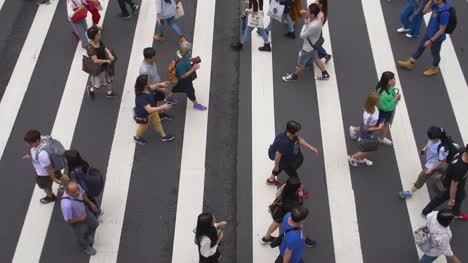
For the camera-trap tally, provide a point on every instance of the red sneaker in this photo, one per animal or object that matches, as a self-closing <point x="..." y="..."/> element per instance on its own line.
<point x="273" y="182"/>
<point x="463" y="217"/>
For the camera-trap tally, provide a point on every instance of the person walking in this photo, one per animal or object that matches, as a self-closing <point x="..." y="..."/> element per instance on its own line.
<point x="46" y="171"/>
<point x="323" y="15"/>
<point x="208" y="238"/>
<point x="438" y="225"/>
<point x="436" y="151"/>
<point x="389" y="97"/>
<point x="148" y="67"/>
<point x="166" y="12"/>
<point x="125" y="14"/>
<point x="412" y="17"/>
<point x="146" y="111"/>
<point x="186" y="72"/>
<point x="366" y="130"/>
<point x="288" y="6"/>
<point x="434" y="36"/>
<point x="78" y="217"/>
<point x="288" y="196"/>
<point x="454" y="182"/>
<point x="287" y="154"/>
<point x="293" y="243"/>
<point x="77" y="12"/>
<point x="101" y="55"/>
<point x="311" y="33"/>
<point x="255" y="9"/>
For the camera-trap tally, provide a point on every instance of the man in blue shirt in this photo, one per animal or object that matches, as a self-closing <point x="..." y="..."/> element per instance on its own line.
<point x="293" y="244"/>
<point x="434" y="36"/>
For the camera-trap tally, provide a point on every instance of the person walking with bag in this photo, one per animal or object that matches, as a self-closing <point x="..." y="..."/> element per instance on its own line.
<point x="365" y="133"/>
<point x="254" y="13"/>
<point x="166" y="13"/>
<point x="442" y="21"/>
<point x="208" y="238"/>
<point x="77" y="12"/>
<point x="293" y="242"/>
<point x="436" y="151"/>
<point x="412" y="17"/>
<point x="183" y="71"/>
<point x="287" y="154"/>
<point x="287" y="6"/>
<point x="146" y="111"/>
<point x="311" y="33"/>
<point x="101" y="55"/>
<point x="389" y="97"/>
<point x="76" y="214"/>
<point x="437" y="243"/>
<point x="323" y="15"/>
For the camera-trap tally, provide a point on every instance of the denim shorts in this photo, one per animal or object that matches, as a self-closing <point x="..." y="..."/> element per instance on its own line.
<point x="306" y="58"/>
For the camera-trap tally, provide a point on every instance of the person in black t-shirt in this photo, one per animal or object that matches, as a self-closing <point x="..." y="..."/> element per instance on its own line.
<point x="454" y="183"/>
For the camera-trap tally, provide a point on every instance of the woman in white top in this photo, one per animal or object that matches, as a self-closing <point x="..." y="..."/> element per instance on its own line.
<point x="208" y="236"/>
<point x="166" y="12"/>
<point x="74" y="8"/>
<point x="438" y="223"/>
<point x="366" y="130"/>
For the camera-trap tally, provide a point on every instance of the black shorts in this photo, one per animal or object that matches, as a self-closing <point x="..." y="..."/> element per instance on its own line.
<point x="385" y="117"/>
<point x="159" y="96"/>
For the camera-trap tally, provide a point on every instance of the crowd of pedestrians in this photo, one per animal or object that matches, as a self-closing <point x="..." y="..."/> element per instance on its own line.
<point x="446" y="166"/>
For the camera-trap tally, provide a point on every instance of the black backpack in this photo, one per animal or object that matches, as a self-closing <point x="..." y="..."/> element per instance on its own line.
<point x="94" y="181"/>
<point x="453" y="150"/>
<point x="452" y="24"/>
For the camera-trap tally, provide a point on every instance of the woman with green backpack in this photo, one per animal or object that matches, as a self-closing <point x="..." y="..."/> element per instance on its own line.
<point x="389" y="97"/>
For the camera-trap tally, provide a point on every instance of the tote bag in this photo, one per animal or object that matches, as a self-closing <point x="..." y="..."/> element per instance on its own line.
<point x="179" y="11"/>
<point x="255" y="20"/>
<point x="276" y="10"/>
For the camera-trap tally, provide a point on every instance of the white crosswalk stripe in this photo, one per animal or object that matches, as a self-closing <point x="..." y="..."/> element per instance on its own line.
<point x="348" y="245"/>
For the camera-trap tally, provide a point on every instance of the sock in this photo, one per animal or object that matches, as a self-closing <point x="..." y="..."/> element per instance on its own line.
<point x="91" y="89"/>
<point x="109" y="92"/>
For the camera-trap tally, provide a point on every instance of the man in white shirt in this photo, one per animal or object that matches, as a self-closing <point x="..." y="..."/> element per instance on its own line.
<point x="43" y="166"/>
<point x="440" y="235"/>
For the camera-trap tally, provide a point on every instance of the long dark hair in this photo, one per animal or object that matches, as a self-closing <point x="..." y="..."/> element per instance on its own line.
<point x="74" y="160"/>
<point x="383" y="82"/>
<point x="435" y="132"/>
<point x="205" y="227"/>
<point x="140" y="84"/>
<point x="290" y="189"/>
<point x="324" y="9"/>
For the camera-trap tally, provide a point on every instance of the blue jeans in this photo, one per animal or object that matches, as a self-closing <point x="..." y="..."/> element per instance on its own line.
<point x="427" y="259"/>
<point x="285" y="17"/>
<point x="80" y="29"/>
<point x="248" y="32"/>
<point x="435" y="50"/>
<point x="172" y="23"/>
<point x="322" y="53"/>
<point x="413" y="25"/>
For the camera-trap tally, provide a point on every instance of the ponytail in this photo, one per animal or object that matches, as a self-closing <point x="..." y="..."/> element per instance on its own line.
<point x="446" y="141"/>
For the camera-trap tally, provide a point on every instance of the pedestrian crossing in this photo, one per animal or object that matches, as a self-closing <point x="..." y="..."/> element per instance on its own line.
<point x="154" y="192"/>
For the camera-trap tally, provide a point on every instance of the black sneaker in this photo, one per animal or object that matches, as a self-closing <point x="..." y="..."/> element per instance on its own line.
<point x="165" y="117"/>
<point x="91" y="91"/>
<point x="265" y="241"/>
<point x="135" y="9"/>
<point x="43" y="2"/>
<point x="48" y="199"/>
<point x="237" y="46"/>
<point x="290" y="77"/>
<point x="291" y="35"/>
<point x="140" y="141"/>
<point x="266" y="47"/>
<point x="125" y="16"/>
<point x="167" y="138"/>
<point x="324" y="76"/>
<point x="327" y="58"/>
<point x="310" y="243"/>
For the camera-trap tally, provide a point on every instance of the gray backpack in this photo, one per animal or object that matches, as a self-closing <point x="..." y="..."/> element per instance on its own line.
<point x="55" y="150"/>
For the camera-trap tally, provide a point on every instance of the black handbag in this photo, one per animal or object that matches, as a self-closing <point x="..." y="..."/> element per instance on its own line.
<point x="317" y="45"/>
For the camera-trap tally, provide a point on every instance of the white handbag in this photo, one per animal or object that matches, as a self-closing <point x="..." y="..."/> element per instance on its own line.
<point x="276" y="10"/>
<point x="179" y="11"/>
<point x="255" y="20"/>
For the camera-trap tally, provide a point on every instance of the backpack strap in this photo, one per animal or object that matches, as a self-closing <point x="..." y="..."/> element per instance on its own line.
<point x="292" y="229"/>
<point x="77" y="200"/>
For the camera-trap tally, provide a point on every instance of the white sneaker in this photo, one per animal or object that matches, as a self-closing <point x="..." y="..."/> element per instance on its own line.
<point x="365" y="161"/>
<point x="408" y="35"/>
<point x="402" y="30"/>
<point x="352" y="133"/>
<point x="386" y="141"/>
<point x="352" y="161"/>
